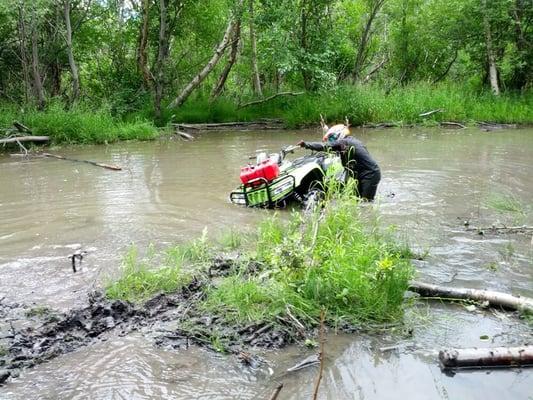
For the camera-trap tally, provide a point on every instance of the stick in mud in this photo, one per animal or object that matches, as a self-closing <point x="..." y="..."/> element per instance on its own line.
<point x="275" y="395"/>
<point x="320" y="355"/>
<point x="102" y="165"/>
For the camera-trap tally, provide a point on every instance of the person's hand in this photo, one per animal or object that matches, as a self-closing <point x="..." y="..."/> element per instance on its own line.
<point x="301" y="143"/>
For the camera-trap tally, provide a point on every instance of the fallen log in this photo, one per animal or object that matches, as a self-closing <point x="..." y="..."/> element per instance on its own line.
<point x="494" y="299"/>
<point x="486" y="358"/>
<point x="222" y="126"/>
<point x="18" y="139"/>
<point x="451" y="124"/>
<point x="184" y="135"/>
<point x="275" y="394"/>
<point x="428" y="113"/>
<point x="102" y="165"/>
<point x="21" y="127"/>
<point x="502" y="229"/>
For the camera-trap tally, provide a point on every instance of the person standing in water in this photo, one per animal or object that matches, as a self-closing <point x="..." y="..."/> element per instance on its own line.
<point x="355" y="157"/>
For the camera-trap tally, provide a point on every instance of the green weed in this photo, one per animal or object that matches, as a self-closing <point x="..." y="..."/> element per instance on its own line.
<point x="140" y="280"/>
<point x="331" y="261"/>
<point x="506" y="203"/>
<point x="38" y="311"/>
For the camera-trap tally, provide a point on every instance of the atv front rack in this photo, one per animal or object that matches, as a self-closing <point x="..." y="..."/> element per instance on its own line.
<point x="261" y="193"/>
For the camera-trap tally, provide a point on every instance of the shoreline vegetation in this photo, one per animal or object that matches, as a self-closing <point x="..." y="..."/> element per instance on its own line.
<point x="332" y="258"/>
<point x="363" y="105"/>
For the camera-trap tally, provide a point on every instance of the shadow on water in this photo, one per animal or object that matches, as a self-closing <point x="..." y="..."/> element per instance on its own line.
<point x="433" y="181"/>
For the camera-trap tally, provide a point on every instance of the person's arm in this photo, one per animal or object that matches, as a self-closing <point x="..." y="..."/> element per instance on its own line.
<point x="315" y="146"/>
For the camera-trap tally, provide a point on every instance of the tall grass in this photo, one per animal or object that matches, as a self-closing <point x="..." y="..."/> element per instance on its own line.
<point x="80" y="124"/>
<point x="372" y="104"/>
<point x="330" y="260"/>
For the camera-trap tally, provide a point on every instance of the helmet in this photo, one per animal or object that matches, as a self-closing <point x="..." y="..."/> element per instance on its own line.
<point x="336" y="132"/>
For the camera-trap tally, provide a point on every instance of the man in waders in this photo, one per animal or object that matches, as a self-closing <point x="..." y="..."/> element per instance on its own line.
<point x="355" y="157"/>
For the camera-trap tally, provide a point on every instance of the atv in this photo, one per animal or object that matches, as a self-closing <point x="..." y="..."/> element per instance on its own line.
<point x="274" y="181"/>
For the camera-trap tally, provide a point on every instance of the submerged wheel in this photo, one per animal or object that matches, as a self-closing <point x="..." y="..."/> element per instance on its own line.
<point x="312" y="199"/>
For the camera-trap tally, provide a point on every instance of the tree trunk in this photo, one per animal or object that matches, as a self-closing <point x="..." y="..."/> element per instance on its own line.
<point x="23" y="53"/>
<point x="70" y="53"/>
<point x="255" y="69"/>
<point x="307" y="78"/>
<point x="493" y="72"/>
<point x="490" y="357"/>
<point x="495" y="299"/>
<point x="163" y="48"/>
<point x="235" y="38"/>
<point x="198" y="79"/>
<point x="365" y="36"/>
<point x="143" y="42"/>
<point x="37" y="82"/>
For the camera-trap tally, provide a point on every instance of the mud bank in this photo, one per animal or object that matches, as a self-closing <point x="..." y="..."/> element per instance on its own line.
<point x="172" y="320"/>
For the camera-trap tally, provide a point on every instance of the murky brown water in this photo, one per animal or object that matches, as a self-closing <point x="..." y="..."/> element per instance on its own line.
<point x="433" y="180"/>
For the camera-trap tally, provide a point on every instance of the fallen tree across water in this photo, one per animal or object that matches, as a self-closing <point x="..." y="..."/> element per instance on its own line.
<point x="494" y="299"/>
<point x="486" y="357"/>
<point x="98" y="164"/>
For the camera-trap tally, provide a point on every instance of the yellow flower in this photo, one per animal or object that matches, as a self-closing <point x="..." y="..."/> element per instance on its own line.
<point x="385" y="264"/>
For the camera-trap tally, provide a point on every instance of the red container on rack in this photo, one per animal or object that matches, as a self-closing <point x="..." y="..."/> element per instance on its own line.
<point x="267" y="169"/>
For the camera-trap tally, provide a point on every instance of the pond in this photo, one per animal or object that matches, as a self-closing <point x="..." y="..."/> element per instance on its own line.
<point x="434" y="180"/>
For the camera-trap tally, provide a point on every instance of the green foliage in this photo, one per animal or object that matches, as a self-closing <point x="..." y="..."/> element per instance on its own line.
<point x="329" y="261"/>
<point x="38" y="311"/>
<point x="77" y="125"/>
<point x="506" y="203"/>
<point x="140" y="279"/>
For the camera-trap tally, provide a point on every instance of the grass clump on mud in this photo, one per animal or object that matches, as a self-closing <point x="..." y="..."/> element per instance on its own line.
<point x="328" y="260"/>
<point x="332" y="258"/>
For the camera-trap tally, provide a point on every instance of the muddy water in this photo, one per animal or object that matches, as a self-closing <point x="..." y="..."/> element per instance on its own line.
<point x="433" y="181"/>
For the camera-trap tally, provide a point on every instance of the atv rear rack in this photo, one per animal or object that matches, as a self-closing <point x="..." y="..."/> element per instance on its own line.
<point x="266" y="194"/>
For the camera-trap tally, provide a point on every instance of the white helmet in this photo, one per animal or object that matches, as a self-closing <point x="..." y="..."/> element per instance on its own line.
<point x="336" y="132"/>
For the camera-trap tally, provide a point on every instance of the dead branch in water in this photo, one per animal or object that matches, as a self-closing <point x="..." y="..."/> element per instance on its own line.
<point x="184" y="135"/>
<point x="502" y="229"/>
<point x="254" y="102"/>
<point x="102" y="165"/>
<point x="320" y="355"/>
<point x="494" y="299"/>
<point x="451" y="124"/>
<point x="276" y="392"/>
<point x="19" y="139"/>
<point x="486" y="358"/>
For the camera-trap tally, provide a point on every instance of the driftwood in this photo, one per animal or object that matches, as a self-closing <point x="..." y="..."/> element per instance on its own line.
<point x="494" y="299"/>
<point x="382" y="125"/>
<point x="107" y="166"/>
<point x="275" y="394"/>
<point x="184" y="135"/>
<point x="320" y="355"/>
<point x="18" y="139"/>
<point x="21" y="127"/>
<point x="428" y="113"/>
<point x="489" y="126"/>
<point x="223" y="126"/>
<point x="254" y="102"/>
<point x="501" y="229"/>
<point x="483" y="358"/>
<point x="451" y="124"/>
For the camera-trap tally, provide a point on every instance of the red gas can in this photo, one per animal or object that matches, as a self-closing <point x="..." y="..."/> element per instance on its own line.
<point x="267" y="169"/>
